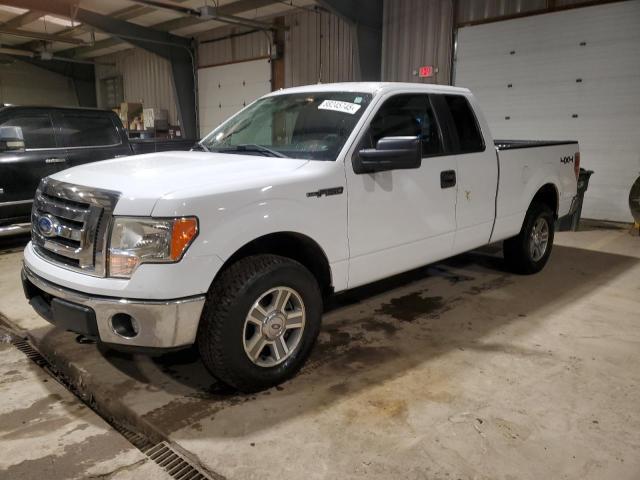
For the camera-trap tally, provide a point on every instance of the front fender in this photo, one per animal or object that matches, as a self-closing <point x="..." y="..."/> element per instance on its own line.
<point x="227" y="221"/>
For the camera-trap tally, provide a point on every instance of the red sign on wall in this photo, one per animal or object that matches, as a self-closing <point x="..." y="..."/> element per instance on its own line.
<point x="425" y="71"/>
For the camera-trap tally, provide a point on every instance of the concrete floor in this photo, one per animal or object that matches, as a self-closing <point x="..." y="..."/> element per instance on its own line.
<point x="457" y="370"/>
<point x="46" y="432"/>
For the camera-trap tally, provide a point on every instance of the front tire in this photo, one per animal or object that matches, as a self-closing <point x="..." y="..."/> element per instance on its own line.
<point x="529" y="251"/>
<point x="260" y="322"/>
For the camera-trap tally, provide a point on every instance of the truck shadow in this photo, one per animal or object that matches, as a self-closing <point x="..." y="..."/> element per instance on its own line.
<point x="371" y="336"/>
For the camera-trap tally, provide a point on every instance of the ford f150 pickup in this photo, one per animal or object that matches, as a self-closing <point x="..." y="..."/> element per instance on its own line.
<point x="305" y="192"/>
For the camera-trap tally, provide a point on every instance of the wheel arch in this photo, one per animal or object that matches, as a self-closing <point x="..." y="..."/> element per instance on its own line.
<point x="293" y="245"/>
<point x="548" y="195"/>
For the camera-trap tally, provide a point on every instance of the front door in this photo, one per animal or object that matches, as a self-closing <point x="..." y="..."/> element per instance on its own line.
<point x="401" y="219"/>
<point x="22" y="168"/>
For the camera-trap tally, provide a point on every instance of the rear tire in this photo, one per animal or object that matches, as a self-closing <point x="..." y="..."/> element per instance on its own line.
<point x="260" y="322"/>
<point x="528" y="252"/>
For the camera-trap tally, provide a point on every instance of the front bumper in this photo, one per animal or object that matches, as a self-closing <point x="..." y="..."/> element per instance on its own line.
<point x="165" y="324"/>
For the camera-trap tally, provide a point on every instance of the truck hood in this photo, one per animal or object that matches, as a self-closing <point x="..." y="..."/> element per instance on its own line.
<point x="143" y="179"/>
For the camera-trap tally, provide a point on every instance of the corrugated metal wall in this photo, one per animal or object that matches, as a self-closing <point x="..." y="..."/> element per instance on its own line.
<point x="319" y="47"/>
<point x="233" y="49"/>
<point x="479" y="10"/>
<point x="419" y="32"/>
<point x="146" y="78"/>
<point x="415" y="33"/>
<point x="475" y="10"/>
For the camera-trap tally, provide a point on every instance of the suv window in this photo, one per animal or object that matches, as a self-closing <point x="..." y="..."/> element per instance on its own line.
<point x="83" y="130"/>
<point x="37" y="130"/>
<point x="407" y="115"/>
<point x="464" y="120"/>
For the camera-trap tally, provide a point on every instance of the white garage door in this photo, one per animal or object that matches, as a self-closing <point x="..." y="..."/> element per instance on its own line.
<point x="566" y="75"/>
<point x="225" y="89"/>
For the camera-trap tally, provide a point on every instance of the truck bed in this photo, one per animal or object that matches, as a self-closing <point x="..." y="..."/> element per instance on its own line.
<point x="513" y="144"/>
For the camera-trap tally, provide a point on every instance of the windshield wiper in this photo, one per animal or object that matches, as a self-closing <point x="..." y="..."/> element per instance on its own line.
<point x="251" y="147"/>
<point x="200" y="146"/>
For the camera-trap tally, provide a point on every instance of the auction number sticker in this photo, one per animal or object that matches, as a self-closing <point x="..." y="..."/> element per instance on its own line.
<point x="339" y="106"/>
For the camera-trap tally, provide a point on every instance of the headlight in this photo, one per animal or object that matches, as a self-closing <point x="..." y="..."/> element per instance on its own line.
<point x="148" y="240"/>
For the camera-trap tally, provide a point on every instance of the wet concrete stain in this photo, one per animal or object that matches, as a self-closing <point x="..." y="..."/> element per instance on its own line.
<point x="72" y="462"/>
<point x="374" y="325"/>
<point x="453" y="278"/>
<point x="189" y="411"/>
<point x="34" y="430"/>
<point x="17" y="418"/>
<point x="493" y="284"/>
<point x="379" y="410"/>
<point x="412" y="306"/>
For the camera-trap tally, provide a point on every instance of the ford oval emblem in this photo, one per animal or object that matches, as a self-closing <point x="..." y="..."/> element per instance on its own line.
<point x="47" y="226"/>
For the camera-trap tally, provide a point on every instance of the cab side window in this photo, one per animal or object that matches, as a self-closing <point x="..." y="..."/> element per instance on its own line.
<point x="86" y="130"/>
<point x="465" y="123"/>
<point x="37" y="130"/>
<point x="407" y="115"/>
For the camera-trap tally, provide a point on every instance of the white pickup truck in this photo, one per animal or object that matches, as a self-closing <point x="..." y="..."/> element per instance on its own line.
<point x="305" y="192"/>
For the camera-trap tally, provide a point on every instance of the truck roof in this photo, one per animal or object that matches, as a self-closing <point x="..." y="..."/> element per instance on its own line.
<point x="370" y="87"/>
<point x="8" y="106"/>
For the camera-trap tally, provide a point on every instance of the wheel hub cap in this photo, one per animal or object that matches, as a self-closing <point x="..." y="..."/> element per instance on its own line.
<point x="539" y="239"/>
<point x="273" y="327"/>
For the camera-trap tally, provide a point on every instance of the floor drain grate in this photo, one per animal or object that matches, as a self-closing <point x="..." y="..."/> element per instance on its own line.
<point x="162" y="453"/>
<point x="174" y="463"/>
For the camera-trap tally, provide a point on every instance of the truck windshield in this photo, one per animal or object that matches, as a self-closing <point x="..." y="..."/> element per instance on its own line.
<point x="313" y="125"/>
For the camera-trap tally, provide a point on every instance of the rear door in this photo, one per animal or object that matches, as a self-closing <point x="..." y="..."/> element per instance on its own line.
<point x="90" y="136"/>
<point x="21" y="170"/>
<point x="401" y="219"/>
<point x="477" y="174"/>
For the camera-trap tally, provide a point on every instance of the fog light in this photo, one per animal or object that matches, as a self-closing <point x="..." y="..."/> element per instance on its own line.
<point x="125" y="325"/>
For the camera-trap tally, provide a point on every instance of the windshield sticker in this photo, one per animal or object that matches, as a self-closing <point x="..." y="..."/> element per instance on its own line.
<point x="357" y="100"/>
<point x="339" y="106"/>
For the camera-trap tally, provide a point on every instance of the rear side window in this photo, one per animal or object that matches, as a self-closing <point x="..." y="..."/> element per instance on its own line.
<point x="464" y="120"/>
<point x="80" y="130"/>
<point x="37" y="130"/>
<point x="407" y="115"/>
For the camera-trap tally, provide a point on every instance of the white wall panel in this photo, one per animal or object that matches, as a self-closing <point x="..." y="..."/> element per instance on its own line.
<point x="567" y="75"/>
<point x="225" y="89"/>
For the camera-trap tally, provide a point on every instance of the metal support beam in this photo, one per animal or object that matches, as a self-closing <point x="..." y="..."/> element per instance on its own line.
<point x="48" y="37"/>
<point x="24" y="19"/>
<point x="233" y="8"/>
<point x="366" y="15"/>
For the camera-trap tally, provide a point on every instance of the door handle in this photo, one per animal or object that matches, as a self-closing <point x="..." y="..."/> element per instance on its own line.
<point x="55" y="160"/>
<point x="448" y="179"/>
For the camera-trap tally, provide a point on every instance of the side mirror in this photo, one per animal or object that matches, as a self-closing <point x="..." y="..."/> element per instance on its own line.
<point x="391" y="153"/>
<point x="11" y="139"/>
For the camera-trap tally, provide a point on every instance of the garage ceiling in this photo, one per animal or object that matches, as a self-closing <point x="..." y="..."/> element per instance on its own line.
<point x="26" y="30"/>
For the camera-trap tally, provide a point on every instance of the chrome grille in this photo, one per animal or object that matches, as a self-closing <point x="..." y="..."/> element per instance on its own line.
<point x="70" y="223"/>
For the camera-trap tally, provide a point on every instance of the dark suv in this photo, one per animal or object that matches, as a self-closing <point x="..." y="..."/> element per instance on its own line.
<point x="38" y="141"/>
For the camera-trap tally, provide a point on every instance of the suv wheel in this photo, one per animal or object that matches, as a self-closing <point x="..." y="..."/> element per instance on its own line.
<point x="260" y="322"/>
